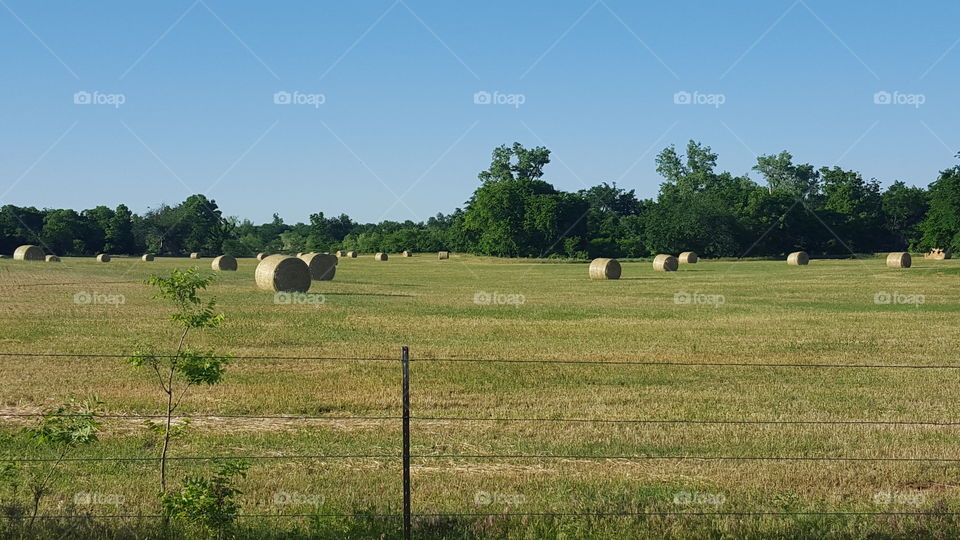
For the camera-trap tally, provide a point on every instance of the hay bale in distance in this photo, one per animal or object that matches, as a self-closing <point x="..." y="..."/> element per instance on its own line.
<point x="900" y="259"/>
<point x="443" y="255"/>
<point x="408" y="254"/>
<point x="224" y="263"/>
<point x="381" y="257"/>
<point x="194" y="255"/>
<point x="262" y="255"/>
<point x="280" y="273"/>
<point x="351" y="254"/>
<point x="688" y="257"/>
<point x="323" y="266"/>
<point x="52" y="258"/>
<point x="605" y="269"/>
<point x="665" y="263"/>
<point x="798" y="258"/>
<point x="938" y="254"/>
<point x="341" y="253"/>
<point x="103" y="257"/>
<point x="147" y="257"/>
<point x="28" y="253"/>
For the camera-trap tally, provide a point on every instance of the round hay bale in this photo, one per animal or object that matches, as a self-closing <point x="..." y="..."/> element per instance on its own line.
<point x="900" y="259"/>
<point x="52" y="258"/>
<point x="408" y="254"/>
<point x="147" y="257"/>
<point x="380" y="257"/>
<point x="194" y="255"/>
<point x="443" y="255"/>
<point x="605" y="269"/>
<point x="103" y="257"/>
<point x="224" y="263"/>
<point x="262" y="255"/>
<point x="279" y="273"/>
<point x="688" y="257"/>
<point x="351" y="254"/>
<point x="340" y="253"/>
<point x="28" y="253"/>
<point x="798" y="258"/>
<point x="323" y="266"/>
<point x="665" y="263"/>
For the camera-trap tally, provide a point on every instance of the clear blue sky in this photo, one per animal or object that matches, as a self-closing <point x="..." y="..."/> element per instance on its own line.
<point x="398" y="79"/>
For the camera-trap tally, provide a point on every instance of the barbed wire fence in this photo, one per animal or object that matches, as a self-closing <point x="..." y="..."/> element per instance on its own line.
<point x="404" y="456"/>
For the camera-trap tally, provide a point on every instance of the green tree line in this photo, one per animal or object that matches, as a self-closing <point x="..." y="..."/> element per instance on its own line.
<point x="515" y="212"/>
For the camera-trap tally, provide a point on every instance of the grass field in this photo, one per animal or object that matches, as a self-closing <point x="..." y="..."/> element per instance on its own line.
<point x="740" y="312"/>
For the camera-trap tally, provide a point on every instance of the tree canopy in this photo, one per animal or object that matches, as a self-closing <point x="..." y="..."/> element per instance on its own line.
<point x="516" y="212"/>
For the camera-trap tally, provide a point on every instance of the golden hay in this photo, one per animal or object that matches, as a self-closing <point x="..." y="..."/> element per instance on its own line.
<point x="262" y="255"/>
<point x="52" y="258"/>
<point x="408" y="254"/>
<point x="147" y="257"/>
<point x="323" y="266"/>
<point x="443" y="255"/>
<point x="605" y="269"/>
<point x="340" y="253"/>
<point x="798" y="258"/>
<point x="224" y="263"/>
<point x="688" y="257"/>
<point x="938" y="254"/>
<point x="380" y="257"/>
<point x="103" y="257"/>
<point x="899" y="260"/>
<point x="351" y="254"/>
<point x="665" y="263"/>
<point x="279" y="273"/>
<point x="28" y="253"/>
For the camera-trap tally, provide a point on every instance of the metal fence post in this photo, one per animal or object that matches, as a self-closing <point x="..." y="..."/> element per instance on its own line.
<point x="405" y="361"/>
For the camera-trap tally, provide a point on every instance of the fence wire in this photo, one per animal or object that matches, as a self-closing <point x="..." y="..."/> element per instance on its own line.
<point x="511" y="456"/>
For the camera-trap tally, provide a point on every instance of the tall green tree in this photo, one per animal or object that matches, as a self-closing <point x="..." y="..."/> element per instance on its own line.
<point x="783" y="176"/>
<point x="904" y="208"/>
<point x="853" y="207"/>
<point x="516" y="162"/>
<point x="118" y="233"/>
<point x="941" y="227"/>
<point x="203" y="225"/>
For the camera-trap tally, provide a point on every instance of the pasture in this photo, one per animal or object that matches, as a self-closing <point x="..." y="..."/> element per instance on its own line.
<point x="732" y="433"/>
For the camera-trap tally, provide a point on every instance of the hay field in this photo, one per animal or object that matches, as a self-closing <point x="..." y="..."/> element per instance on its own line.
<point x="722" y="312"/>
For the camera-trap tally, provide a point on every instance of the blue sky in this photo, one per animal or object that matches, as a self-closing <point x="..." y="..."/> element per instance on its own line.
<point x="398" y="134"/>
